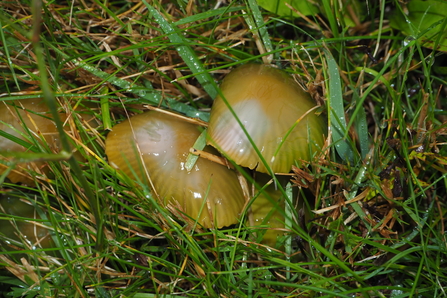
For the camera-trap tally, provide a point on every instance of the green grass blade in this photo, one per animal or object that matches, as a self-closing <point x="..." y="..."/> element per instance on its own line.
<point x="330" y="10"/>
<point x="261" y="29"/>
<point x="361" y="127"/>
<point x="66" y="148"/>
<point x="185" y="51"/>
<point x="207" y="14"/>
<point x="199" y="145"/>
<point x="336" y="111"/>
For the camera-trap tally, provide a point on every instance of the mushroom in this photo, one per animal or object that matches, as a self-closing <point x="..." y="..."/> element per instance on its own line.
<point x="26" y="125"/>
<point x="272" y="107"/>
<point x="28" y="121"/>
<point x="152" y="148"/>
<point x="35" y="234"/>
<point x="268" y="209"/>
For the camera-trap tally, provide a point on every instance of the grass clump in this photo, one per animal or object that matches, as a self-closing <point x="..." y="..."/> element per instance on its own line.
<point x="368" y="215"/>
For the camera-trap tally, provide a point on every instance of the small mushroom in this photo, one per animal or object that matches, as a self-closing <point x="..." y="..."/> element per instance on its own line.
<point x="272" y="107"/>
<point x="268" y="209"/>
<point x="35" y="234"/>
<point x="27" y="125"/>
<point x="29" y="122"/>
<point x="153" y="147"/>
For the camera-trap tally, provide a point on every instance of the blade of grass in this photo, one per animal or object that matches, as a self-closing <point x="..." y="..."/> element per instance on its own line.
<point x="289" y="212"/>
<point x="361" y="127"/>
<point x="51" y="103"/>
<point x="6" y="52"/>
<point x="105" y="109"/>
<point x="260" y="30"/>
<point x="336" y="111"/>
<point x="185" y="51"/>
<point x="199" y="144"/>
<point x="380" y="77"/>
<point x="207" y="14"/>
<point x="330" y="11"/>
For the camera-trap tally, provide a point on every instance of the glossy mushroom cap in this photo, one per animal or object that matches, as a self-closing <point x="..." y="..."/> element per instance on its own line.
<point x="268" y="103"/>
<point x="29" y="121"/>
<point x="160" y="143"/>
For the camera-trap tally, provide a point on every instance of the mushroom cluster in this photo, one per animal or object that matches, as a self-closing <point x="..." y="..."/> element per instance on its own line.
<point x="277" y="114"/>
<point x="279" y="118"/>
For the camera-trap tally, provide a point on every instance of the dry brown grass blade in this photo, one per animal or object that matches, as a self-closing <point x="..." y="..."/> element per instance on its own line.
<point x="176" y="115"/>
<point x="211" y="157"/>
<point x="359" y="197"/>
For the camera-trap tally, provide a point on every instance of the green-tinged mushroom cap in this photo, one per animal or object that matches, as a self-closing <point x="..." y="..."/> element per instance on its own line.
<point x="25" y="119"/>
<point x="268" y="210"/>
<point x="23" y="227"/>
<point x="271" y="106"/>
<point x="160" y="143"/>
<point x="26" y="125"/>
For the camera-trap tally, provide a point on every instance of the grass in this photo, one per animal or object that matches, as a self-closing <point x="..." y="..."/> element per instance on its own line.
<point x="371" y="216"/>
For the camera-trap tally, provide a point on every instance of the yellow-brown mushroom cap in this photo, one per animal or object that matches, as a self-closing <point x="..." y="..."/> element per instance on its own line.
<point x="30" y="121"/>
<point x="268" y="210"/>
<point x="35" y="234"/>
<point x="160" y="143"/>
<point x="269" y="104"/>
